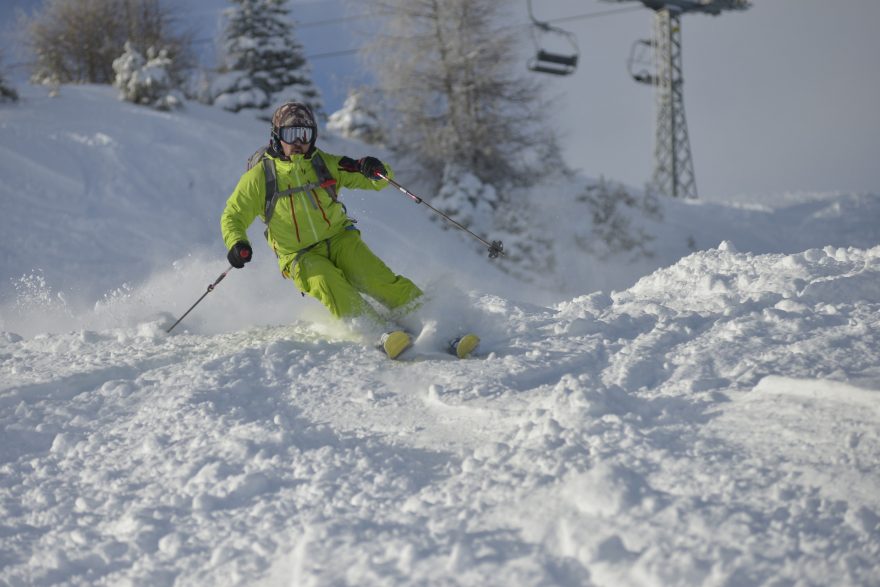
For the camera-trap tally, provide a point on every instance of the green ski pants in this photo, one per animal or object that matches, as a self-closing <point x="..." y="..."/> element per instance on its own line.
<point x="337" y="271"/>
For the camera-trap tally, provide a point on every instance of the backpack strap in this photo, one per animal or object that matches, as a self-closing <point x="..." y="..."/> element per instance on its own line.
<point x="272" y="194"/>
<point x="327" y="181"/>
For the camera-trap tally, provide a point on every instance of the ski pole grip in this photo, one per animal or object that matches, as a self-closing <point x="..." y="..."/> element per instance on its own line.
<point x="245" y="254"/>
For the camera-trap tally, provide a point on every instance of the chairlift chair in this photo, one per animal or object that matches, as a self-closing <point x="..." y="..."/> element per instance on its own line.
<point x="546" y="61"/>
<point x="641" y="61"/>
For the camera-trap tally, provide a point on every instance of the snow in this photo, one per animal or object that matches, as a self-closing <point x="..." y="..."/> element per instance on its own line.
<point x="704" y="417"/>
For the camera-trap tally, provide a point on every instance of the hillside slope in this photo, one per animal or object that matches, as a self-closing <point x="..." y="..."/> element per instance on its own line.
<point x="713" y="421"/>
<point x="103" y="198"/>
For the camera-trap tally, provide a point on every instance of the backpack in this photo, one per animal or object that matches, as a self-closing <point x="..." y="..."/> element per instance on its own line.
<point x="325" y="181"/>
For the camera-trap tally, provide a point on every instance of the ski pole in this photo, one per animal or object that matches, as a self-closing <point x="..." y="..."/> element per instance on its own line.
<point x="210" y="289"/>
<point x="496" y="248"/>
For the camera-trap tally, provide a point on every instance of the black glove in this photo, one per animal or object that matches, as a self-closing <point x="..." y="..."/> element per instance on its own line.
<point x="371" y="167"/>
<point x="240" y="254"/>
<point x="349" y="164"/>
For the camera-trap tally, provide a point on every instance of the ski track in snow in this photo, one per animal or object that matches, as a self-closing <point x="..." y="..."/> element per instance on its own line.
<point x="714" y="424"/>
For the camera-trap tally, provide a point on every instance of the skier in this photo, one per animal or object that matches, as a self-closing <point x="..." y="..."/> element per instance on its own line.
<point x="317" y="245"/>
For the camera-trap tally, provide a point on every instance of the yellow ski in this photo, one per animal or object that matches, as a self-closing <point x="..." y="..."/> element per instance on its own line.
<point x="395" y="343"/>
<point x="465" y="345"/>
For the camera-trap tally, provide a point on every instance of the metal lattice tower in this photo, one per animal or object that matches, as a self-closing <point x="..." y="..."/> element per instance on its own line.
<point x="673" y="163"/>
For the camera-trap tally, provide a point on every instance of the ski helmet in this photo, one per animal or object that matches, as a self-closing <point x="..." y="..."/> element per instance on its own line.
<point x="293" y="114"/>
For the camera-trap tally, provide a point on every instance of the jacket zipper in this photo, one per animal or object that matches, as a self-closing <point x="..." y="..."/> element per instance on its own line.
<point x="308" y="217"/>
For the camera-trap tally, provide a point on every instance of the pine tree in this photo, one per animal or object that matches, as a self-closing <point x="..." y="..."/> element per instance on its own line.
<point x="263" y="64"/>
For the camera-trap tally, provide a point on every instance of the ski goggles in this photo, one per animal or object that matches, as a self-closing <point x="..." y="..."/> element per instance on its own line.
<point x="292" y="134"/>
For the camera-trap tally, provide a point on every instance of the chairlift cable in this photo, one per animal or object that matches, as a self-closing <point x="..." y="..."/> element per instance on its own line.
<point x="328" y="21"/>
<point x="598" y="14"/>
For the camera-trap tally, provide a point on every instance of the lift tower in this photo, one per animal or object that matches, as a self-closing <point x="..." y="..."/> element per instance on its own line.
<point x="673" y="165"/>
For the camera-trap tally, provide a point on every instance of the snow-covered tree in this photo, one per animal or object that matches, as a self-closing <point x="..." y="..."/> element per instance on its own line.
<point x="451" y="72"/>
<point x="262" y="63"/>
<point x="356" y="120"/>
<point x="146" y="81"/>
<point x="478" y="205"/>
<point x="466" y="199"/>
<point x="616" y="213"/>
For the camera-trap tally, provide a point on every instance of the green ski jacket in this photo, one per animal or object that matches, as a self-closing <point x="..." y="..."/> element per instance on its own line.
<point x="301" y="219"/>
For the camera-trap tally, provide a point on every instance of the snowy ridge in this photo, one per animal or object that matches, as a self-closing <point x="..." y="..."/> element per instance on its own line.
<point x="660" y="435"/>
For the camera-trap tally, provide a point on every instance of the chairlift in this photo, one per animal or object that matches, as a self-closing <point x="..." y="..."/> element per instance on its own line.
<point x="545" y="60"/>
<point x="641" y="61"/>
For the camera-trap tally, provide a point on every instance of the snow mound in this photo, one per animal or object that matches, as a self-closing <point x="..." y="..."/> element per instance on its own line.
<point x="714" y="424"/>
<point x="728" y="279"/>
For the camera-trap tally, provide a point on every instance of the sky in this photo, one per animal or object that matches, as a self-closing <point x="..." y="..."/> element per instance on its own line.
<point x="781" y="97"/>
